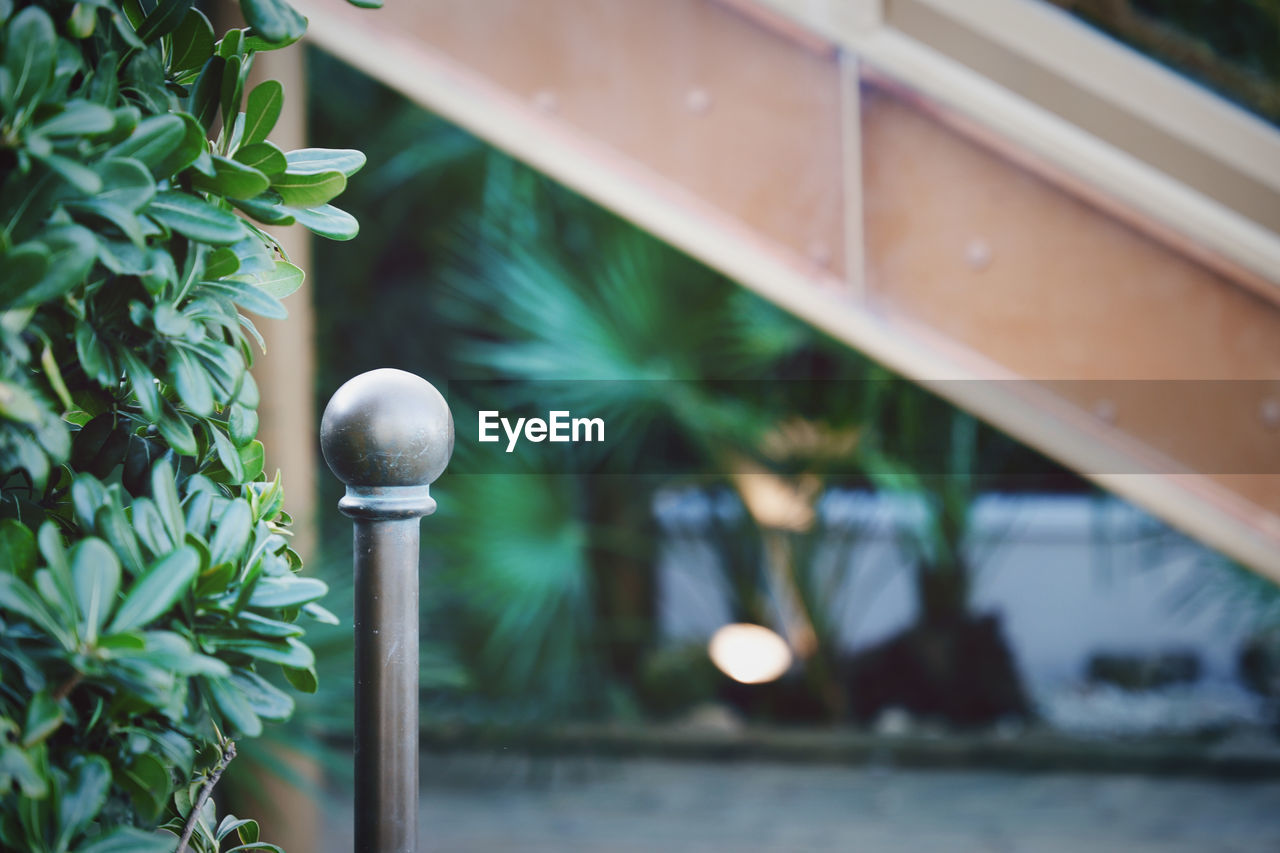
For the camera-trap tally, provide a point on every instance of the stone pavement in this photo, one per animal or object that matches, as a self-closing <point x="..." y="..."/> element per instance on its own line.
<point x="480" y="803"/>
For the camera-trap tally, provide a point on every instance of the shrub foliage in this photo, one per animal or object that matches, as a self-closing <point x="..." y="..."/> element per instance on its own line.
<point x="149" y="599"/>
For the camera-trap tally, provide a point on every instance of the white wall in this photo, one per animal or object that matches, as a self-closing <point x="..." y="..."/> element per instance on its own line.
<point x="1070" y="576"/>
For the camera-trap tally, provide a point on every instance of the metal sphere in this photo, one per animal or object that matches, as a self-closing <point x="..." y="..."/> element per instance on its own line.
<point x="387" y="428"/>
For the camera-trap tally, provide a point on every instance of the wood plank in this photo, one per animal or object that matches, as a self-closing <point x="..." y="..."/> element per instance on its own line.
<point x="602" y="112"/>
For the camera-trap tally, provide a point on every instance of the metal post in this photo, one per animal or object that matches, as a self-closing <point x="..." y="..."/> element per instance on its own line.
<point x="388" y="435"/>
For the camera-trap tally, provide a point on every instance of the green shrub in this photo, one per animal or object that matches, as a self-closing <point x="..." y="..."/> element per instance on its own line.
<point x="149" y="600"/>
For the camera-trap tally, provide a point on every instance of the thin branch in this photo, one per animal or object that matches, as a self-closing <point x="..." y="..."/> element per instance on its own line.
<point x="196" y="807"/>
<point x="64" y="689"/>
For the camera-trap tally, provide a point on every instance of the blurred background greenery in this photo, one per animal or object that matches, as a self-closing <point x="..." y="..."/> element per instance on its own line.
<point x="540" y="585"/>
<point x="1232" y="48"/>
<point x="539" y="588"/>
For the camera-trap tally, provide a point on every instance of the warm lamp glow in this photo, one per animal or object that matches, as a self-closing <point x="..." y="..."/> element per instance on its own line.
<point x="751" y="654"/>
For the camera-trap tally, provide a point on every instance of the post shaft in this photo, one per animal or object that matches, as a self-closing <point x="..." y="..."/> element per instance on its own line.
<point x="386" y="648"/>
<point x="387" y="435"/>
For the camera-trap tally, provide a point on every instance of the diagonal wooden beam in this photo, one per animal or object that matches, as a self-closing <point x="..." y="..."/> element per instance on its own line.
<point x="948" y="237"/>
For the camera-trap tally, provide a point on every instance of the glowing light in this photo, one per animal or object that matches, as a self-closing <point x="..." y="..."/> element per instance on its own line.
<point x="751" y="654"/>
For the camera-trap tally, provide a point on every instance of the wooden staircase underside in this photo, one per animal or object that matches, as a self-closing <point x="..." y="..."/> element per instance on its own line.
<point x="1093" y="267"/>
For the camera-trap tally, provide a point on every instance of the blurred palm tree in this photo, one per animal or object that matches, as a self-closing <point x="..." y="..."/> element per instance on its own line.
<point x="478" y="268"/>
<point x="577" y="310"/>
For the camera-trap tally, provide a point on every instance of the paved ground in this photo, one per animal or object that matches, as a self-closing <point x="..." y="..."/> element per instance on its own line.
<point x="495" y="803"/>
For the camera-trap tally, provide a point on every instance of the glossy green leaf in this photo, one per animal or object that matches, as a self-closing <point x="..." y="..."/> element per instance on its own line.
<point x="157" y="590"/>
<point x="286" y="652"/>
<point x="20" y="270"/>
<point x="83" y="20"/>
<point x="51" y="546"/>
<point x="130" y="840"/>
<point x="262" y="111"/>
<point x="175" y="429"/>
<point x="287" y="592"/>
<point x="205" y="94"/>
<point x="26" y="454"/>
<point x="164" y="491"/>
<point x="152" y="141"/>
<point x="172" y="653"/>
<point x="270" y="498"/>
<point x="223" y="364"/>
<point x="171" y="322"/>
<point x="138" y="459"/>
<point x="53" y="373"/>
<point x="327" y="221"/>
<point x="231" y="44"/>
<point x="79" y="118"/>
<point x="249" y="394"/>
<point x="263" y="627"/>
<point x="19" y="404"/>
<point x="84" y="797"/>
<point x="227" y="454"/>
<point x="263" y="156"/>
<point x="321" y="614"/>
<point x="16" y="763"/>
<point x="150" y="527"/>
<point x="242" y="424"/>
<point x="310" y="189"/>
<point x="43" y="717"/>
<point x="281" y="281"/>
<point x="129" y="642"/>
<point x="166" y="17"/>
<point x="17" y="548"/>
<point x="191" y="382"/>
<point x="221" y="262"/>
<point x="94" y="356"/>
<point x="274" y="20"/>
<point x="57" y="593"/>
<point x="255" y="43"/>
<point x="232" y="179"/>
<point x="193" y="42"/>
<point x="267" y="701"/>
<point x="250" y="297"/>
<point x="142" y="382"/>
<point x="251" y="460"/>
<point x="127" y="119"/>
<point x="231" y="535"/>
<point x="215" y="581"/>
<point x="117" y="257"/>
<point x="302" y="679"/>
<point x="29" y="54"/>
<point x="19" y="598"/>
<point x="79" y="176"/>
<point x="231" y="92"/>
<point x="233" y="705"/>
<point x="310" y="161"/>
<point x="266" y="208"/>
<point x="72" y="250"/>
<point x="148" y="781"/>
<point x="194" y="218"/>
<point x="110" y="521"/>
<point x="191" y="150"/>
<point x="126" y="182"/>
<point x="95" y="574"/>
<point x="87" y="495"/>
<point x="246" y="830"/>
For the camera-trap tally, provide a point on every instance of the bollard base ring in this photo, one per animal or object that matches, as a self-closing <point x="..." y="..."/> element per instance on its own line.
<point x="386" y="503"/>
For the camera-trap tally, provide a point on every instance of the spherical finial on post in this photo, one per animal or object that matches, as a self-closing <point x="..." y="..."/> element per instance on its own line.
<point x="388" y="435"/>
